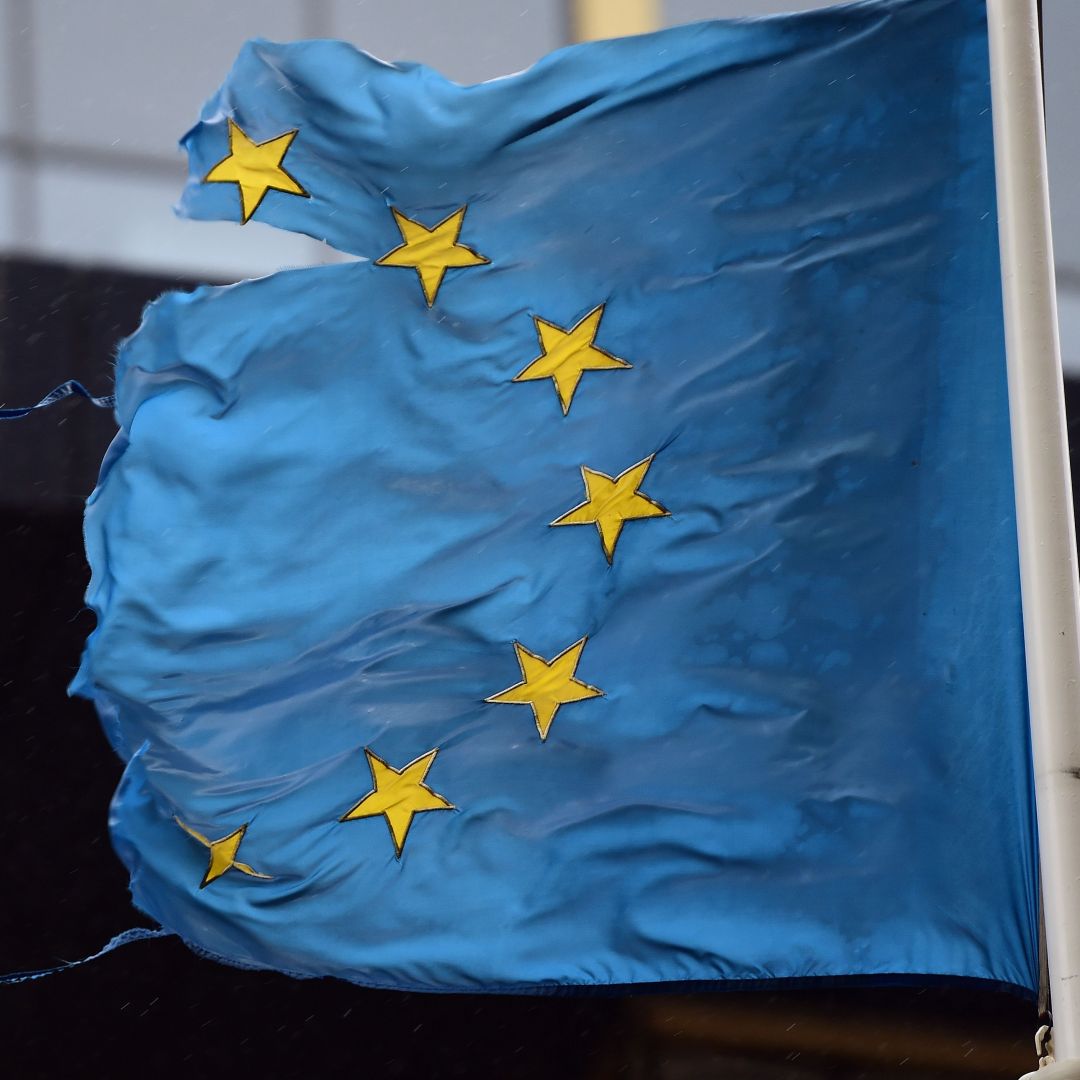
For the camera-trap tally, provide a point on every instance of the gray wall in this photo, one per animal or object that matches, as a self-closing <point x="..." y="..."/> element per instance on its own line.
<point x="95" y="93"/>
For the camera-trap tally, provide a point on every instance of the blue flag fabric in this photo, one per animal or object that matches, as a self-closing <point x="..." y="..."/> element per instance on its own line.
<point x="610" y="578"/>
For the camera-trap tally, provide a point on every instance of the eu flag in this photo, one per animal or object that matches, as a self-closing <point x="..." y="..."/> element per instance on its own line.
<point x="609" y="576"/>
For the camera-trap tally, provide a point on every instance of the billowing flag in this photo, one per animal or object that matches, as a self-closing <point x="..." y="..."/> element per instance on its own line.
<point x="610" y="576"/>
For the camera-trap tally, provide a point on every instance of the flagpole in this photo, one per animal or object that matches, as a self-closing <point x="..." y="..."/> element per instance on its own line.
<point x="1048" y="564"/>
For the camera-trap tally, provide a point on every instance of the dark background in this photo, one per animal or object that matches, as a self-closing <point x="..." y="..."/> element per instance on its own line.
<point x="156" y="1006"/>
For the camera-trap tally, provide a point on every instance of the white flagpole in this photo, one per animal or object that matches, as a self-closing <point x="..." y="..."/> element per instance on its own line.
<point x="1048" y="565"/>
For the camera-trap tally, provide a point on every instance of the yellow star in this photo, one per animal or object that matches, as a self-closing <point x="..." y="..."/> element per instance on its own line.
<point x="547" y="684"/>
<point x="222" y="854"/>
<point x="431" y="252"/>
<point x="611" y="502"/>
<point x="255" y="168"/>
<point x="398" y="795"/>
<point x="566" y="354"/>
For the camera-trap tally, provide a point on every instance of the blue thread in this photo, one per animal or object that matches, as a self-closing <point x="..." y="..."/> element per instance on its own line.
<point x="138" y="933"/>
<point x="72" y="388"/>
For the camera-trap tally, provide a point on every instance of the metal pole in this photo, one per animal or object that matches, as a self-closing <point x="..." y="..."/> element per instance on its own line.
<point x="1048" y="567"/>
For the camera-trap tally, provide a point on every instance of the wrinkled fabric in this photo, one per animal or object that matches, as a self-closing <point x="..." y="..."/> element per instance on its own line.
<point x="325" y="521"/>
